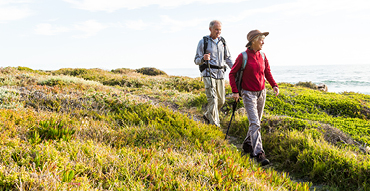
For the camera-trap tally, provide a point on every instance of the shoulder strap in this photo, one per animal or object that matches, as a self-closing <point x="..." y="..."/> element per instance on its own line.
<point x="239" y="74"/>
<point x="205" y="44"/>
<point x="245" y="59"/>
<point x="225" y="50"/>
<point x="263" y="55"/>
<point x="223" y="41"/>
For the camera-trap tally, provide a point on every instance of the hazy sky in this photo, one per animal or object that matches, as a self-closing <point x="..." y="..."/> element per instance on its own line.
<point x="110" y="34"/>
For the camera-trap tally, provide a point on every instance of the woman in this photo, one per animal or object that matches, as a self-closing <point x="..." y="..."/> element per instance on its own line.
<point x="253" y="91"/>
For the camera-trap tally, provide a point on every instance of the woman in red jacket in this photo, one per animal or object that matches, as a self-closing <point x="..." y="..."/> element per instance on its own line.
<point x="253" y="91"/>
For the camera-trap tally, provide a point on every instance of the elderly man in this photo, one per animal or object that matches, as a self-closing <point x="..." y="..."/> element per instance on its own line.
<point x="257" y="69"/>
<point x="211" y="56"/>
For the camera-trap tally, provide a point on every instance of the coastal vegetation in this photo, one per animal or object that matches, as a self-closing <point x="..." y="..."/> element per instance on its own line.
<point x="125" y="129"/>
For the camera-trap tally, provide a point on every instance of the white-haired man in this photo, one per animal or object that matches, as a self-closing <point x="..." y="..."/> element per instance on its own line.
<point x="212" y="56"/>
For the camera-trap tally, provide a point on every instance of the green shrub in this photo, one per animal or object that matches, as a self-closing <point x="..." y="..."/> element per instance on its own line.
<point x="198" y="101"/>
<point x="150" y="71"/>
<point x="21" y="68"/>
<point x="50" y="130"/>
<point x="122" y="70"/>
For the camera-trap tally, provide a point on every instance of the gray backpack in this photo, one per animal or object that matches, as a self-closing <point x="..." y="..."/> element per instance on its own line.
<point x="239" y="74"/>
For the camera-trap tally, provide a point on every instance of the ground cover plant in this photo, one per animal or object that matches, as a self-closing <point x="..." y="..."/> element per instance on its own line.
<point x="92" y="129"/>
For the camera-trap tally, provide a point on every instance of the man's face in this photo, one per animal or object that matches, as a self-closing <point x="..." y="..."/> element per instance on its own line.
<point x="215" y="30"/>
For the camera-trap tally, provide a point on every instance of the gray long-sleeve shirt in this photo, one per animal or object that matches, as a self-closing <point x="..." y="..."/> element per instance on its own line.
<point x="217" y="57"/>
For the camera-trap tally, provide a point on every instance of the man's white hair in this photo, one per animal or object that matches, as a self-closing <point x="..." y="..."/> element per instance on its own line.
<point x="212" y="23"/>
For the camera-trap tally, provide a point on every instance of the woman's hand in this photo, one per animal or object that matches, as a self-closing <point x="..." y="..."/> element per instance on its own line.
<point x="276" y="90"/>
<point x="236" y="96"/>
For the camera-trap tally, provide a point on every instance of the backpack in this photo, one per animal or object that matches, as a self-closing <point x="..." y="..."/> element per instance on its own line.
<point x="239" y="74"/>
<point x="205" y="65"/>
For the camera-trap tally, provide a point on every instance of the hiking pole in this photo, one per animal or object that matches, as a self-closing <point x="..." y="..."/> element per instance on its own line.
<point x="234" y="108"/>
<point x="210" y="77"/>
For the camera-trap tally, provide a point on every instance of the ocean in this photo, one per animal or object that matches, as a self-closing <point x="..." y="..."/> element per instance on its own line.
<point x="338" y="78"/>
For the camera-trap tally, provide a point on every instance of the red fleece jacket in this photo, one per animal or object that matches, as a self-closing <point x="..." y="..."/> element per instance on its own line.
<point x="256" y="70"/>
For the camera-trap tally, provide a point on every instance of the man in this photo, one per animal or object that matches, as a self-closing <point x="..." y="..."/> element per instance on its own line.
<point x="253" y="92"/>
<point x="212" y="65"/>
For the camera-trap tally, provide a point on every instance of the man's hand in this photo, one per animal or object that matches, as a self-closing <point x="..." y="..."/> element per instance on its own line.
<point x="207" y="56"/>
<point x="276" y="90"/>
<point x="236" y="96"/>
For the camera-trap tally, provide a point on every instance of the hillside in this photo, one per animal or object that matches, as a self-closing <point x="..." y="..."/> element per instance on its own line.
<point x="92" y="129"/>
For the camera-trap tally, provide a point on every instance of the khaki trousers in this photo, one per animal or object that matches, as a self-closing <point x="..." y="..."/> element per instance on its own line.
<point x="215" y="93"/>
<point x="254" y="102"/>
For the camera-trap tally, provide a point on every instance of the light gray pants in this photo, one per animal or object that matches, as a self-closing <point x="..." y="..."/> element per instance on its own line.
<point x="215" y="93"/>
<point x="254" y="102"/>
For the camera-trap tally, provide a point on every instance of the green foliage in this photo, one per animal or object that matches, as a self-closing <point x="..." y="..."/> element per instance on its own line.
<point x="184" y="84"/>
<point x="128" y="131"/>
<point x="9" y="98"/>
<point x="87" y="74"/>
<point x="68" y="175"/>
<point x="122" y="70"/>
<point x="50" y="130"/>
<point x="124" y="82"/>
<point x="198" y="101"/>
<point x="344" y="112"/>
<point x="150" y="71"/>
<point x="21" y="68"/>
<point x="53" y="82"/>
<point x="309" y="155"/>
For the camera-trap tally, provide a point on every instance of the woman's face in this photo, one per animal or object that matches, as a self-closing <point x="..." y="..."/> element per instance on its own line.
<point x="257" y="45"/>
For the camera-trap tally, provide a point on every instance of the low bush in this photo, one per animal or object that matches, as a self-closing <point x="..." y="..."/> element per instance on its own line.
<point x="122" y="70"/>
<point x="150" y="71"/>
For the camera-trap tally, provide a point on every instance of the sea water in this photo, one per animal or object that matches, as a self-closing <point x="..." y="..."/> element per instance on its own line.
<point x="338" y="78"/>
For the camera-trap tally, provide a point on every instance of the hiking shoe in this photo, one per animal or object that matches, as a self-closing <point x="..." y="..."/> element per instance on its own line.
<point x="205" y="119"/>
<point x="261" y="158"/>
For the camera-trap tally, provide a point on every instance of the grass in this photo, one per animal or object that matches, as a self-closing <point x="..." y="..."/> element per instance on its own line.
<point x="91" y="129"/>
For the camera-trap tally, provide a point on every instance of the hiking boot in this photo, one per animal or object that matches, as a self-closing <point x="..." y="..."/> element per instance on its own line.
<point x="205" y="119"/>
<point x="261" y="158"/>
<point x="247" y="148"/>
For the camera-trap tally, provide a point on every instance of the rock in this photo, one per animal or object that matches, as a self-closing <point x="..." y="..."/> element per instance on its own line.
<point x="322" y="87"/>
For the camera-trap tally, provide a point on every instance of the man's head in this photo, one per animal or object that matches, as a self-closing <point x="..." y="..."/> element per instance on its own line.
<point x="215" y="28"/>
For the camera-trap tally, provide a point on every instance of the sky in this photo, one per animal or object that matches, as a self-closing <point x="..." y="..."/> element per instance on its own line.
<point x="111" y="34"/>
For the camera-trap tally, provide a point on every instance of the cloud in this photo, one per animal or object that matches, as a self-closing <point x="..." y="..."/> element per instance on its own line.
<point x="319" y="7"/>
<point x="307" y="7"/>
<point x="166" y="25"/>
<point x="13" y="10"/>
<point x="136" y="25"/>
<point x="48" y="29"/>
<point x="113" y="5"/>
<point x="90" y="28"/>
<point x="171" y="25"/>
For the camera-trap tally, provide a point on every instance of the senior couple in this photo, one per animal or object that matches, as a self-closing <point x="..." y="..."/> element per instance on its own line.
<point x="212" y="54"/>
